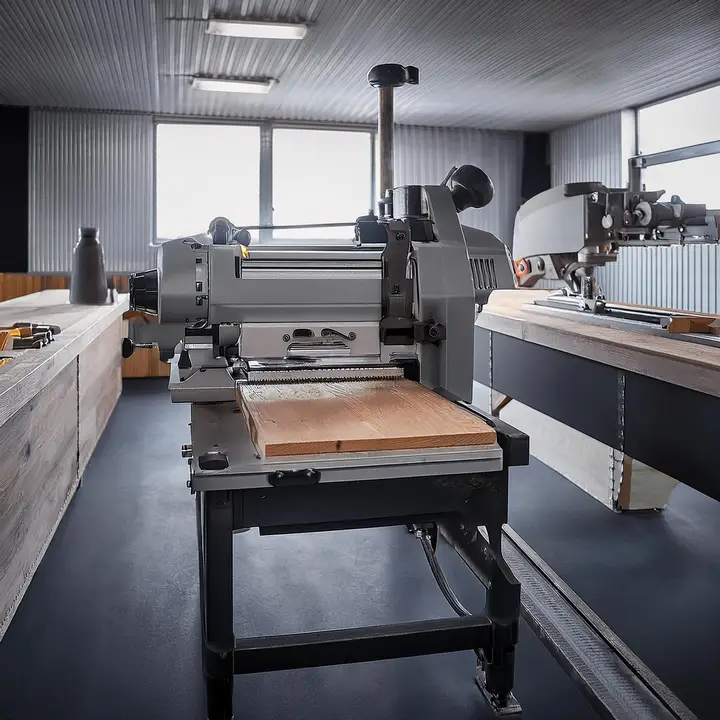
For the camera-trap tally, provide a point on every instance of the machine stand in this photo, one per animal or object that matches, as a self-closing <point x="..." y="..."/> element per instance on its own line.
<point x="454" y="504"/>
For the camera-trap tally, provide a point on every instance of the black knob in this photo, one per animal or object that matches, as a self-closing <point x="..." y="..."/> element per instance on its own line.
<point x="470" y="187"/>
<point x="144" y="291"/>
<point x="392" y="75"/>
<point x="127" y="347"/>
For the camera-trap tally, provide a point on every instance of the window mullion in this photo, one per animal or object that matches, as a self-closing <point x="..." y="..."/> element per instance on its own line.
<point x="266" y="185"/>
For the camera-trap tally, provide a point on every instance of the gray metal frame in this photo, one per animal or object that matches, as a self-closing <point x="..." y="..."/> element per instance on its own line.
<point x="638" y="163"/>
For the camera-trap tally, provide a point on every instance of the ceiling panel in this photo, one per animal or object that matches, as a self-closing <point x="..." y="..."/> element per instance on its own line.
<point x="513" y="64"/>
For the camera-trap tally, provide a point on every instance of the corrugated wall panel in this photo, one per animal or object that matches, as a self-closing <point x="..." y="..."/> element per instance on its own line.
<point x="684" y="278"/>
<point x="424" y="155"/>
<point x="590" y="150"/>
<point x="91" y="169"/>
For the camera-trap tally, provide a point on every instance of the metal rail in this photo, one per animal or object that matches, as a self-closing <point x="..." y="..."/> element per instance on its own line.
<point x="615" y="681"/>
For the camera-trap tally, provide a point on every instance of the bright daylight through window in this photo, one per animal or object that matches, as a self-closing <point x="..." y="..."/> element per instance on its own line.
<point x="206" y="171"/>
<point x="320" y="176"/>
<point x="681" y="122"/>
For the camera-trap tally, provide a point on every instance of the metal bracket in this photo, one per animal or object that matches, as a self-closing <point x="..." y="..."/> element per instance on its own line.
<point x="286" y="478"/>
<point x="396" y="325"/>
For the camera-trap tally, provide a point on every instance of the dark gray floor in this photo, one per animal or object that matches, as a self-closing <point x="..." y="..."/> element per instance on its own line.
<point x="109" y="626"/>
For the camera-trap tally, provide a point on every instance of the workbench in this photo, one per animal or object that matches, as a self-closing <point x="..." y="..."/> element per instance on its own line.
<point x="609" y="408"/>
<point x="54" y="404"/>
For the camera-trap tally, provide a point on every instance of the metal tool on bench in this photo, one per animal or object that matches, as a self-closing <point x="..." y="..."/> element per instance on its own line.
<point x="566" y="233"/>
<point x="31" y="335"/>
<point x="398" y="301"/>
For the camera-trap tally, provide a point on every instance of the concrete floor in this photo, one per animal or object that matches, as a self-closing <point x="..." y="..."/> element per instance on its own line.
<point x="109" y="626"/>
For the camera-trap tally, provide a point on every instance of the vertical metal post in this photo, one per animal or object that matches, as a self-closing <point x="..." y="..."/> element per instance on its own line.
<point x="386" y="78"/>
<point x="215" y="527"/>
<point x="266" y="188"/>
<point x="386" y="121"/>
<point x="635" y="174"/>
<point x="373" y="172"/>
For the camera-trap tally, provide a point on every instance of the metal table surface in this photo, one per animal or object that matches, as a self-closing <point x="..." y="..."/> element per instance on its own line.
<point x="220" y="428"/>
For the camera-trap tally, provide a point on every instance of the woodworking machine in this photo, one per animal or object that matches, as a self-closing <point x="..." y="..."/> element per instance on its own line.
<point x="399" y="300"/>
<point x="565" y="233"/>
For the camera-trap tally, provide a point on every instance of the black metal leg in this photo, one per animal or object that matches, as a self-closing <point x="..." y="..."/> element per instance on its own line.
<point x="496" y="669"/>
<point x="496" y="665"/>
<point x="214" y="517"/>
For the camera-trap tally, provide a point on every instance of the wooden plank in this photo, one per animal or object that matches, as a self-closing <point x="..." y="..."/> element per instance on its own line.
<point x="99" y="387"/>
<point x="689" y="365"/>
<point x="38" y="476"/>
<point x="680" y="324"/>
<point x="14" y="285"/>
<point x="312" y="418"/>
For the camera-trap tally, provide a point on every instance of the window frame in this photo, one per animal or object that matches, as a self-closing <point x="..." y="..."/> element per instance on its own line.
<point x="638" y="162"/>
<point x="265" y="195"/>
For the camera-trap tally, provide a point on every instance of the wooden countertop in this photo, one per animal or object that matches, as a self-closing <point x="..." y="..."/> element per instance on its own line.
<point x="33" y="369"/>
<point x="690" y="365"/>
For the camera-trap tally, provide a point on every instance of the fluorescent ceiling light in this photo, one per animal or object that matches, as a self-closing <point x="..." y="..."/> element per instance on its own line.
<point x="257" y="29"/>
<point x="259" y="87"/>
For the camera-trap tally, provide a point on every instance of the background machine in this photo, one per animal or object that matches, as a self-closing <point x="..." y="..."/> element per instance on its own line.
<point x="566" y="233"/>
<point x="400" y="302"/>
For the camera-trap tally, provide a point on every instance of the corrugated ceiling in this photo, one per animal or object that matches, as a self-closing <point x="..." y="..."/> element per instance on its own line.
<point x="511" y="64"/>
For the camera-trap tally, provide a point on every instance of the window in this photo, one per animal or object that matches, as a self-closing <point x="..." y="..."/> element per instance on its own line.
<point x="320" y="176"/>
<point x="668" y="127"/>
<point x="687" y="120"/>
<point x="205" y="171"/>
<point x="696" y="180"/>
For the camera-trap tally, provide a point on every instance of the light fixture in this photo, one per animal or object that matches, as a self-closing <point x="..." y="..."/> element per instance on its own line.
<point x="257" y="29"/>
<point x="258" y="87"/>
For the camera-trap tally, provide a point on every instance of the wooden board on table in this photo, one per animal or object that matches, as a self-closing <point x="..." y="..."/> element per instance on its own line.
<point x="356" y="416"/>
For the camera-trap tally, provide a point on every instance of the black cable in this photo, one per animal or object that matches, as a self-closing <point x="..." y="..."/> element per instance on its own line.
<point x="442" y="582"/>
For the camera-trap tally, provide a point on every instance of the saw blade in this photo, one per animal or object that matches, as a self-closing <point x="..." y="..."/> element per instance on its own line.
<point x="323" y="374"/>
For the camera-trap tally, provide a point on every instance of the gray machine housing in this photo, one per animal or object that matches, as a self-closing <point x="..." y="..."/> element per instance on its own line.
<point x="566" y="232"/>
<point x="224" y="310"/>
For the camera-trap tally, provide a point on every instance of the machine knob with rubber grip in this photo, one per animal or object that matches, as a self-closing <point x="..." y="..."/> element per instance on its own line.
<point x="393" y="75"/>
